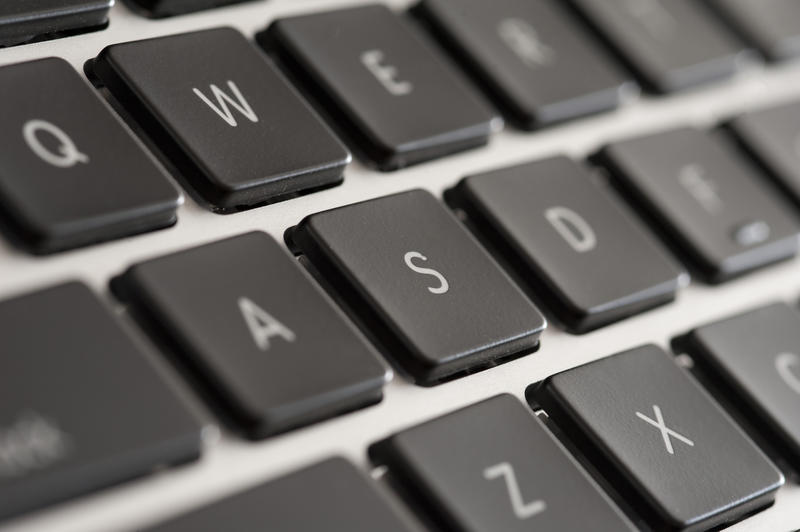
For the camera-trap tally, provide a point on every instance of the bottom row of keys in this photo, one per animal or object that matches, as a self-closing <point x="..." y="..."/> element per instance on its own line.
<point x="660" y="441"/>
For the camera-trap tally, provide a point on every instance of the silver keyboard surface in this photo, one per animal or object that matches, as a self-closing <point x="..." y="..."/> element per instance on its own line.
<point x="231" y="464"/>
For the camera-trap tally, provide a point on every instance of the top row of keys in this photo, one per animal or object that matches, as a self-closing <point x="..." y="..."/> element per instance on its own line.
<point x="212" y="101"/>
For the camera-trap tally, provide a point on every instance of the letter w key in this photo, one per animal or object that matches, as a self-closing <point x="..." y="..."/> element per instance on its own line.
<point x="239" y="103"/>
<point x="521" y="509"/>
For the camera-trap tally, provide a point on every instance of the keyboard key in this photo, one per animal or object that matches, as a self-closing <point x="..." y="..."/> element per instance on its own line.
<point x="710" y="200"/>
<point x="772" y="25"/>
<point x="772" y="136"/>
<point x="756" y="357"/>
<point x="223" y="116"/>
<point x="661" y="440"/>
<point x="397" y="97"/>
<point x="670" y="44"/>
<point x="262" y="338"/>
<point x="331" y="496"/>
<point x="168" y="8"/>
<point x="434" y="299"/>
<point x="494" y="466"/>
<point x="531" y="57"/>
<point x="70" y="174"/>
<point x="81" y="407"/>
<point x="22" y="20"/>
<point x="562" y="232"/>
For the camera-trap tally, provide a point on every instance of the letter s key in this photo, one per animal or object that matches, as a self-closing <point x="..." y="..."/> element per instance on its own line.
<point x="443" y="287"/>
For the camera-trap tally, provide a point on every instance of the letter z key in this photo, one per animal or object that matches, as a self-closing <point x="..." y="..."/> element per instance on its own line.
<point x="223" y="116"/>
<point x="432" y="297"/>
<point x="493" y="466"/>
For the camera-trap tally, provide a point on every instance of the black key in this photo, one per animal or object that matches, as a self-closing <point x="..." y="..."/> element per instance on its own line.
<point x="494" y="466"/>
<point x="433" y="298"/>
<point x="531" y="57"/>
<point x="81" y="407"/>
<point x="265" y="341"/>
<point x="70" y="174"/>
<point x="772" y="136"/>
<point x="168" y="8"/>
<point x="331" y="496"/>
<point x="756" y="357"/>
<point x="771" y="25"/>
<point x="24" y="20"/>
<point x="562" y="232"/>
<point x="670" y="44"/>
<point x="661" y="440"/>
<point x="399" y="99"/>
<point x="709" y="200"/>
<point x="223" y="116"/>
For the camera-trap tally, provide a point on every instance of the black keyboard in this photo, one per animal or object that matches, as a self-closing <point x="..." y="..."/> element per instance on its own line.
<point x="444" y="265"/>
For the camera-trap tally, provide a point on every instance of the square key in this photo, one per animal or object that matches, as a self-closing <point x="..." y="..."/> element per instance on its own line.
<point x="223" y="116"/>
<point x="661" y="439"/>
<point x="671" y="44"/>
<point x="494" y="466"/>
<point x="420" y="284"/>
<point x="81" y="408"/>
<point x="537" y="62"/>
<point x="709" y="200"/>
<point x="258" y="334"/>
<point x="570" y="241"/>
<point x="394" y="94"/>
<point x="70" y="173"/>
<point x="755" y="357"/>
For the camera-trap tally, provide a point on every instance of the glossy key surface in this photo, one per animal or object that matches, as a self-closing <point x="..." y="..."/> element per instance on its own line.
<point x="538" y="63"/>
<point x="661" y="439"/>
<point x="80" y="406"/>
<point x="422" y="286"/>
<point x="330" y="495"/>
<point x="494" y="466"/>
<point x="223" y="116"/>
<point x="755" y="356"/>
<point x="710" y="200"/>
<point x="399" y="99"/>
<point x="70" y="173"/>
<point x="570" y="240"/>
<point x="257" y="331"/>
<point x="670" y="44"/>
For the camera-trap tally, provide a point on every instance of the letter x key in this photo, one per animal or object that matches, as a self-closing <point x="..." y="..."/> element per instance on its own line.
<point x="666" y="432"/>
<point x="694" y="487"/>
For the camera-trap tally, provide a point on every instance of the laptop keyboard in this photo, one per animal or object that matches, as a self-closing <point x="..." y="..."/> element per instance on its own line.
<point x="447" y="265"/>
